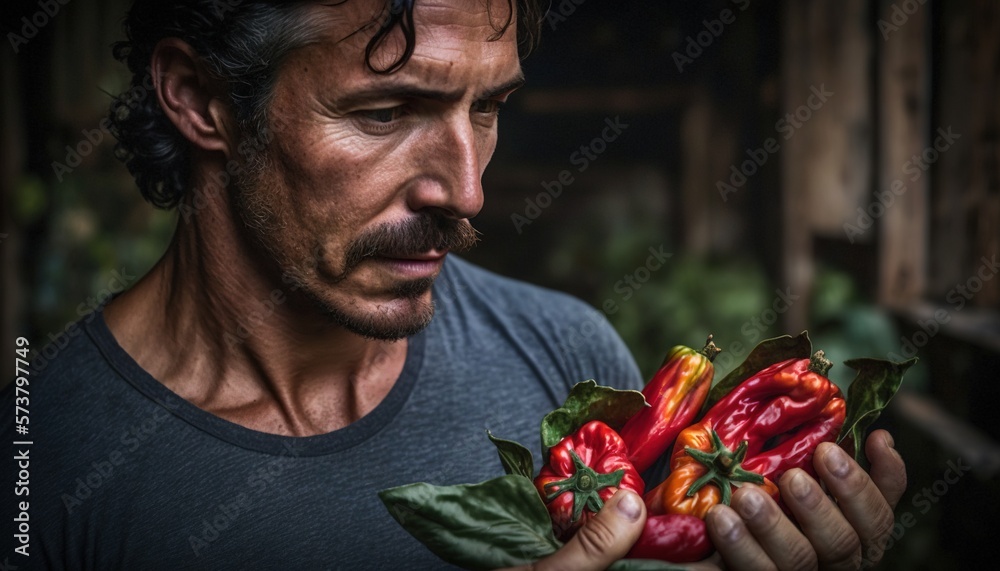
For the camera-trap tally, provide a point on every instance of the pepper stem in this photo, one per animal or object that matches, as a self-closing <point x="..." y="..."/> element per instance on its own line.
<point x="723" y="468"/>
<point x="710" y="350"/>
<point x="585" y="484"/>
<point x="819" y="364"/>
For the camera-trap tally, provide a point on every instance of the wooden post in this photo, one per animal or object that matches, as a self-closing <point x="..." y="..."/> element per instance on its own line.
<point x="985" y="144"/>
<point x="951" y="177"/>
<point x="826" y="142"/>
<point x="904" y="125"/>
<point x="708" y="146"/>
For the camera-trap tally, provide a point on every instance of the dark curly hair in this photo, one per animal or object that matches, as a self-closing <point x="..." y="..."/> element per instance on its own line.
<point x="243" y="44"/>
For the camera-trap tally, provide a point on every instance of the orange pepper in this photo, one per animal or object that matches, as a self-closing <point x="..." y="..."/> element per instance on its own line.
<point x="687" y="472"/>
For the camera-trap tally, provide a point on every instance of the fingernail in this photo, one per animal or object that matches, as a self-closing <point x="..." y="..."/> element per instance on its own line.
<point x="630" y="507"/>
<point x="801" y="489"/>
<point x="751" y="503"/>
<point x="889" y="442"/>
<point x="726" y="523"/>
<point x="836" y="461"/>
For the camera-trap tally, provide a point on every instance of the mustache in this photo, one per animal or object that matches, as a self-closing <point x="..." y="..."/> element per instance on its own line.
<point x="414" y="236"/>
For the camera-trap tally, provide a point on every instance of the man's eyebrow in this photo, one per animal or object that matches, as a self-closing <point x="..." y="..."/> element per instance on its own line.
<point x="405" y="91"/>
<point x="506" y="87"/>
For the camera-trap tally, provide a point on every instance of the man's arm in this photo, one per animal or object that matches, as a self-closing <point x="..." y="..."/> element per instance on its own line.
<point x="844" y="532"/>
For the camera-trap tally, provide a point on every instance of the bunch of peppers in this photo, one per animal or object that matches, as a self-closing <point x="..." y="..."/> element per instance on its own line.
<point x="769" y="423"/>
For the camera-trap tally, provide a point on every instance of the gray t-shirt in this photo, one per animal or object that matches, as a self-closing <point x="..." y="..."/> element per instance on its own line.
<point x="125" y="474"/>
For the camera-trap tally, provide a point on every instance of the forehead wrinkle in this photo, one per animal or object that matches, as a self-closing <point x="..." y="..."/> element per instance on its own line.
<point x="445" y="40"/>
<point x="340" y="47"/>
<point x="353" y="23"/>
<point x="482" y="16"/>
<point x="344" y="22"/>
<point x="437" y="70"/>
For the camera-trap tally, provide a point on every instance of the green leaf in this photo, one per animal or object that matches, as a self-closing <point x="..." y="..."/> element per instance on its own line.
<point x="874" y="385"/>
<point x="589" y="401"/>
<point x="498" y="523"/>
<point x="644" y="565"/>
<point x="516" y="459"/>
<point x="765" y="354"/>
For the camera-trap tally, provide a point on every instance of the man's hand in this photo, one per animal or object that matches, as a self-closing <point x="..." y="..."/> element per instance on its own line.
<point x="839" y="533"/>
<point x="844" y="532"/>
<point x="603" y="540"/>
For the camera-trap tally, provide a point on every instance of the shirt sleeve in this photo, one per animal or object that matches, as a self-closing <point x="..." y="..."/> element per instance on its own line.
<point x="593" y="347"/>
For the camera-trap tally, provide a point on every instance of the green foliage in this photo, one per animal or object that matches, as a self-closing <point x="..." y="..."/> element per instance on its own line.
<point x="846" y="326"/>
<point x="869" y="394"/>
<point x="99" y="225"/>
<point x="589" y="401"/>
<point x="29" y="201"/>
<point x="685" y="302"/>
<point x="515" y="458"/>
<point x="499" y="523"/>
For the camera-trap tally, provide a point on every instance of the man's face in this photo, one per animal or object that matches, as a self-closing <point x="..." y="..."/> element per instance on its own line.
<point x="371" y="178"/>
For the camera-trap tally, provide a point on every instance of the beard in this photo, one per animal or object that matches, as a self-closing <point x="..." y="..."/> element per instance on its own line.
<point x="256" y="202"/>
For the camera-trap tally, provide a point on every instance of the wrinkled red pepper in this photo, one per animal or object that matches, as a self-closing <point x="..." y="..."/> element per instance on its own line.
<point x="584" y="470"/>
<point x="675" y="394"/>
<point x="768" y="424"/>
<point x="673" y="537"/>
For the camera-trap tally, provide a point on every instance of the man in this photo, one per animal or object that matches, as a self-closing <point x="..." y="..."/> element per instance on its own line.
<point x="288" y="357"/>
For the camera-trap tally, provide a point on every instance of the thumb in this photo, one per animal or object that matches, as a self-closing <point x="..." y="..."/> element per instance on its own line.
<point x="606" y="538"/>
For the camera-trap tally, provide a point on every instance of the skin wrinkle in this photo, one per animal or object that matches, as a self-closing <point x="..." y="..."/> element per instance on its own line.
<point x="328" y="180"/>
<point x="388" y="150"/>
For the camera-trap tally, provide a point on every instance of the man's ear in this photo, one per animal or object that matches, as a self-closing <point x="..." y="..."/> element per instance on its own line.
<point x="191" y="99"/>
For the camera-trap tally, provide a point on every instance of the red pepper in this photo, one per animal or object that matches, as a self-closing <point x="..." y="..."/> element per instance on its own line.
<point x="675" y="393"/>
<point x="768" y="424"/>
<point x="584" y="470"/>
<point x="673" y="537"/>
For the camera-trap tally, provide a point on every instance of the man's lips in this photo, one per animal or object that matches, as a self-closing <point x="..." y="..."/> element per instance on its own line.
<point x="431" y="256"/>
<point x="414" y="266"/>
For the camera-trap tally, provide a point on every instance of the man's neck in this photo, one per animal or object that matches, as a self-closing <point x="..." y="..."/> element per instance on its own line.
<point x="212" y="326"/>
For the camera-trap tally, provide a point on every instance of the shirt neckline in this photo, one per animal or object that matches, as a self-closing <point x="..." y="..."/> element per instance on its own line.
<point x="238" y="435"/>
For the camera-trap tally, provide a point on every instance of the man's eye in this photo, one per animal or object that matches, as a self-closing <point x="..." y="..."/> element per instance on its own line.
<point x="387" y="115"/>
<point x="487" y="106"/>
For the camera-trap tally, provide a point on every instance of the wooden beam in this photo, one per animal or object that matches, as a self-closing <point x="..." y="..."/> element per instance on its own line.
<point x="633" y="100"/>
<point x="953" y="434"/>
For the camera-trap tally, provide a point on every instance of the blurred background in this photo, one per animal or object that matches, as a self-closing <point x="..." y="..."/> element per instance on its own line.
<point x="748" y="169"/>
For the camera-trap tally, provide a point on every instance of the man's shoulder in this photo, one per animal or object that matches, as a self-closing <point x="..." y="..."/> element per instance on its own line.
<point x="551" y="326"/>
<point x="71" y="383"/>
<point x="66" y="359"/>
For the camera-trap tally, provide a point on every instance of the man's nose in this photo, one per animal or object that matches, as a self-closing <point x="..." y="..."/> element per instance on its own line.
<point x="453" y="162"/>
